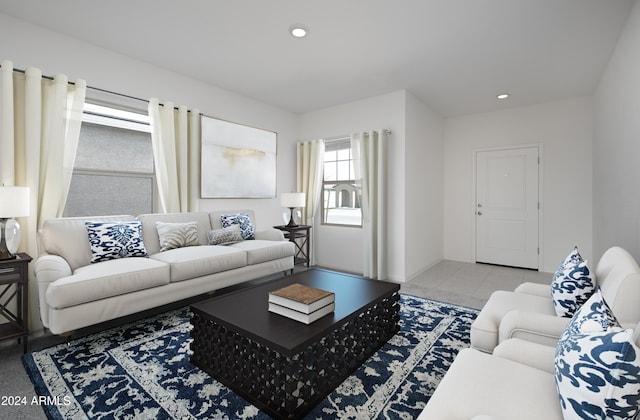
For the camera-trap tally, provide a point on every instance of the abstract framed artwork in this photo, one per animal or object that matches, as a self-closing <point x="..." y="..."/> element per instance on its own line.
<point x="237" y="161"/>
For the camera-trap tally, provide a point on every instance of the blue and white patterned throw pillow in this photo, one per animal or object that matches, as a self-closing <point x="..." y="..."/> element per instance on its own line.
<point x="571" y="288"/>
<point x="113" y="240"/>
<point x="594" y="316"/>
<point x="242" y="219"/>
<point x="597" y="366"/>
<point x="574" y="257"/>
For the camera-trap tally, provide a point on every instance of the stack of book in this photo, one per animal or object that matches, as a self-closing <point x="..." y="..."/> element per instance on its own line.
<point x="302" y="303"/>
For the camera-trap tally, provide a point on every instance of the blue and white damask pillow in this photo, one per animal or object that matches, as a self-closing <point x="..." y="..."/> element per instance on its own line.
<point x="242" y="219"/>
<point x="594" y="316"/>
<point x="113" y="240"/>
<point x="574" y="257"/>
<point x="597" y="366"/>
<point x="571" y="289"/>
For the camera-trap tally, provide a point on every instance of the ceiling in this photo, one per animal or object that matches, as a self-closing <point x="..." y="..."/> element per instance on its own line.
<point x="454" y="55"/>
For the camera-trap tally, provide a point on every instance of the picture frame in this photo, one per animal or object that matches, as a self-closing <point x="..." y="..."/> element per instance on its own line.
<point x="237" y="161"/>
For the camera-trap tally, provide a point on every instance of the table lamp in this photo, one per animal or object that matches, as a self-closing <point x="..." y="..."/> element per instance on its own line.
<point x="14" y="202"/>
<point x="292" y="200"/>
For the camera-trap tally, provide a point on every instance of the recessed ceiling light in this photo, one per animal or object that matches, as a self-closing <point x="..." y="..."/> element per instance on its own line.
<point x="503" y="96"/>
<point x="298" y="31"/>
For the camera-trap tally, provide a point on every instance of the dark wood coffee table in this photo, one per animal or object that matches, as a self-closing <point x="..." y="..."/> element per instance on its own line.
<point x="282" y="366"/>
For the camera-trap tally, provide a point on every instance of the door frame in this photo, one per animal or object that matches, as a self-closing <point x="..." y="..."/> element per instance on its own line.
<point x="474" y="195"/>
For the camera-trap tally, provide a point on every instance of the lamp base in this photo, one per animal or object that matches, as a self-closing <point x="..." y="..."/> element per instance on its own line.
<point x="292" y="222"/>
<point x="5" y="253"/>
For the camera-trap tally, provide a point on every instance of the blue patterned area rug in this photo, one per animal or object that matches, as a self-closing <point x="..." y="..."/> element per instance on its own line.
<point x="142" y="371"/>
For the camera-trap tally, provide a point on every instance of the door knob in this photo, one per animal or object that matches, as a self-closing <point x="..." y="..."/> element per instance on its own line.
<point x="479" y="213"/>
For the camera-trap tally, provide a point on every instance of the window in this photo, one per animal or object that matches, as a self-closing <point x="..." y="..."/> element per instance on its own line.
<point x="113" y="171"/>
<point x="340" y="194"/>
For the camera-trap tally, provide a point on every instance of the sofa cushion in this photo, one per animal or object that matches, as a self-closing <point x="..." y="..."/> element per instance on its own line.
<point x="113" y="240"/>
<point x="197" y="261"/>
<point x="572" y="288"/>
<point x="225" y="236"/>
<point x="242" y="219"/>
<point x="107" y="279"/>
<point x="259" y="251"/>
<point x="597" y="365"/>
<point x="177" y="235"/>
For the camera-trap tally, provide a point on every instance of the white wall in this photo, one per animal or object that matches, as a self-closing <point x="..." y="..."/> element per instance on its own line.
<point x="564" y="129"/>
<point x="340" y="247"/>
<point x="424" y="188"/>
<point x="415" y="182"/>
<point x="617" y="146"/>
<point x="27" y="45"/>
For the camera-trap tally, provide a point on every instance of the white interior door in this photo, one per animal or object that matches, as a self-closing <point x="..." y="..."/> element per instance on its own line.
<point x="507" y="207"/>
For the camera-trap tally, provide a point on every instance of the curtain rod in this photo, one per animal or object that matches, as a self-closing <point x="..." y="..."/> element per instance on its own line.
<point x="98" y="89"/>
<point x="349" y="137"/>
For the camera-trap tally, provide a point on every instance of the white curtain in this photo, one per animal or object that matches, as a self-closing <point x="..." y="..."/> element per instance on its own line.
<point x="310" y="161"/>
<point x="175" y="138"/>
<point x="41" y="121"/>
<point x="370" y="166"/>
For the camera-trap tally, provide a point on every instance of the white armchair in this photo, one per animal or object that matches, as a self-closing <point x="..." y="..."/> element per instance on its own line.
<point x="528" y="312"/>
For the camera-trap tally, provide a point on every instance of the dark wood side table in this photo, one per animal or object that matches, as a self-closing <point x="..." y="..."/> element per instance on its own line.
<point x="14" y="287"/>
<point x="303" y="233"/>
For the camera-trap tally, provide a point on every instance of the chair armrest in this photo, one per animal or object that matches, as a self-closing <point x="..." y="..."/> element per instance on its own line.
<point x="270" y="235"/>
<point x="536" y="289"/>
<point x="527" y="353"/>
<point x="538" y="328"/>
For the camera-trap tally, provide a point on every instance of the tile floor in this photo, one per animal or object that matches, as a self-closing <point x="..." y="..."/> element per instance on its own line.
<point x="469" y="284"/>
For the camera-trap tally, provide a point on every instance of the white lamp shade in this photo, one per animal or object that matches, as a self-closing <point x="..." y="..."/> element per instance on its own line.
<point x="292" y="200"/>
<point x="14" y="202"/>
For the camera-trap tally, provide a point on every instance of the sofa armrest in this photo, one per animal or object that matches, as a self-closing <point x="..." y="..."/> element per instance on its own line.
<point x="536" y="355"/>
<point x="270" y="235"/>
<point x="538" y="328"/>
<point x="48" y="268"/>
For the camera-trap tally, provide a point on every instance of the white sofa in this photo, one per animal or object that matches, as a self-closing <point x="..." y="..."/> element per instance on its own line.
<point x="528" y="311"/>
<point x="75" y="293"/>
